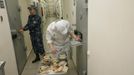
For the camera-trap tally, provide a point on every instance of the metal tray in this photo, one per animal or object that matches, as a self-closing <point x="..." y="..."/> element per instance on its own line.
<point x="60" y="73"/>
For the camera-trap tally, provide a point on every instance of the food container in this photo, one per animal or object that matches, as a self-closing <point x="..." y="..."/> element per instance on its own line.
<point x="52" y="66"/>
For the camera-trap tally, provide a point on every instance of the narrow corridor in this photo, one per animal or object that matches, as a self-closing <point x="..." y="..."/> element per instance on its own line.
<point x="18" y="53"/>
<point x="107" y="36"/>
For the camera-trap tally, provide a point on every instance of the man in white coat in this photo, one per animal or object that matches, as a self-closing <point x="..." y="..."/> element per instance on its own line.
<point x="58" y="36"/>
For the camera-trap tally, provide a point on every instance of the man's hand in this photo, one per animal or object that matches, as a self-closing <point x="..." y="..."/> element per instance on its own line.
<point x="21" y="30"/>
<point x="54" y="50"/>
<point x="77" y="38"/>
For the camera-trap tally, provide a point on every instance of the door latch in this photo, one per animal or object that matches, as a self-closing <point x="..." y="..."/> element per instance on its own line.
<point x="86" y="1"/>
<point x="1" y="18"/>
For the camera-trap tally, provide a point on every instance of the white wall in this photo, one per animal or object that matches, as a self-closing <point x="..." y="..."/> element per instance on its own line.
<point x="111" y="37"/>
<point x="69" y="11"/>
<point x="6" y="46"/>
<point x="58" y="8"/>
<point x="24" y="17"/>
<point x="51" y="7"/>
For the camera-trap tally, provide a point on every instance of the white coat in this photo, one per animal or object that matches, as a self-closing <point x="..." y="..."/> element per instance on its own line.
<point x="58" y="35"/>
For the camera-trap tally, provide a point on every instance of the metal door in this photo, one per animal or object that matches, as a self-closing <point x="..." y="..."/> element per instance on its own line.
<point x="82" y="26"/>
<point x="18" y="41"/>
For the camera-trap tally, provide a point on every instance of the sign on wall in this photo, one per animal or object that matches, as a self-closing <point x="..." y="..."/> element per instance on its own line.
<point x="2" y="4"/>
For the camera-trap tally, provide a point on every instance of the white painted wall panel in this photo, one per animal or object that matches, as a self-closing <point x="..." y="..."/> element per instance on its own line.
<point x="111" y="37"/>
<point x="6" y="46"/>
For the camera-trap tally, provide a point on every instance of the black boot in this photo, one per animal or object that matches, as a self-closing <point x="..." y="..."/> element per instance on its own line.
<point x="36" y="59"/>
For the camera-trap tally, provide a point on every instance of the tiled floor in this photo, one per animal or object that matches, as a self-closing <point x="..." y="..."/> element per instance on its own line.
<point x="32" y="69"/>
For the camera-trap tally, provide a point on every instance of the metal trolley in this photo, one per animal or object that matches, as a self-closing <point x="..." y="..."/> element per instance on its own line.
<point x="61" y="73"/>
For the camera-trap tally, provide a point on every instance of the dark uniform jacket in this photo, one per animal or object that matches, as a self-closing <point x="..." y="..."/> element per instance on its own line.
<point x="34" y="27"/>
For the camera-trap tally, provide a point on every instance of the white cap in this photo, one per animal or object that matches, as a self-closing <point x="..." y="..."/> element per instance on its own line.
<point x="62" y="26"/>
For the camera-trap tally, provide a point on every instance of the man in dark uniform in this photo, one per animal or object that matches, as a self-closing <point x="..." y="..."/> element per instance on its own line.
<point x="34" y="26"/>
